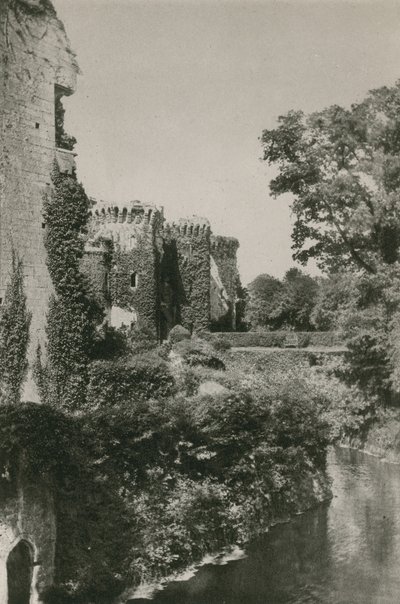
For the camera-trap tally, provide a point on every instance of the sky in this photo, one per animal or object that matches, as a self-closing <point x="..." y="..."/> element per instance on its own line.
<point x="174" y="96"/>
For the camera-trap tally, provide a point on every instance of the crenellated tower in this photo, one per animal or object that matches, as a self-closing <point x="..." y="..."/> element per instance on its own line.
<point x="224" y="282"/>
<point x="122" y="261"/>
<point x="189" y="241"/>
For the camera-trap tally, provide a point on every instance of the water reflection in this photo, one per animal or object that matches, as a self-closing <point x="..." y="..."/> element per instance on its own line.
<point x="344" y="553"/>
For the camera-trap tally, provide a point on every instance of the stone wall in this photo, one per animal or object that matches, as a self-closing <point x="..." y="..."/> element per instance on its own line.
<point x="26" y="517"/>
<point x="36" y="59"/>
<point x="224" y="282"/>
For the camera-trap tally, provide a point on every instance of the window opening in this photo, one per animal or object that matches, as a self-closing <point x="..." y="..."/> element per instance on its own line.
<point x="134" y="280"/>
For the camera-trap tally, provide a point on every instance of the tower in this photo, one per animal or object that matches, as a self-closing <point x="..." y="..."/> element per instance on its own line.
<point x="122" y="257"/>
<point x="37" y="69"/>
<point x="224" y="282"/>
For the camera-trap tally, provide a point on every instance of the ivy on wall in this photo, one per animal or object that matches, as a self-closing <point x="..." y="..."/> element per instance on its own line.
<point x="143" y="262"/>
<point x="194" y="273"/>
<point x="72" y="315"/>
<point x="15" y="321"/>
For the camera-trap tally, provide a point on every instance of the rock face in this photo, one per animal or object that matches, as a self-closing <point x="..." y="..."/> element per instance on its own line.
<point x="37" y="65"/>
<point x="27" y="538"/>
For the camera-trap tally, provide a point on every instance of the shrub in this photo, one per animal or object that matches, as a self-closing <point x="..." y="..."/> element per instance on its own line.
<point x="128" y="379"/>
<point x="196" y="352"/>
<point x="221" y="344"/>
<point x="178" y="334"/>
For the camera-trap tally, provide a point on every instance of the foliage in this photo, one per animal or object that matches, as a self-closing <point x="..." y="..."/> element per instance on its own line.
<point x="197" y="352"/>
<point x="63" y="140"/>
<point x="140" y="260"/>
<point x="281" y="339"/>
<point x="178" y="333"/>
<point x="334" y="293"/>
<point x="72" y="315"/>
<point x="15" y="321"/>
<point x="286" y="304"/>
<point x="128" y="379"/>
<point x="194" y="276"/>
<point x="342" y="167"/>
<point x="221" y="344"/>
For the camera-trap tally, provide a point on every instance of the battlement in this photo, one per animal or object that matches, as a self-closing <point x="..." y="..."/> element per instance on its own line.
<point x="134" y="212"/>
<point x="193" y="226"/>
<point x="224" y="244"/>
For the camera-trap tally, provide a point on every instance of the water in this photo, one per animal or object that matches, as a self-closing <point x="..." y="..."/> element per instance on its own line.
<point x="347" y="552"/>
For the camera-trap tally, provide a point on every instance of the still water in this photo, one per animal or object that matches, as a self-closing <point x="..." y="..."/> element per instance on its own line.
<point x="347" y="552"/>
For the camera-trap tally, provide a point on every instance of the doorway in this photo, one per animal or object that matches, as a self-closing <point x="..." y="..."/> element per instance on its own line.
<point x="19" y="573"/>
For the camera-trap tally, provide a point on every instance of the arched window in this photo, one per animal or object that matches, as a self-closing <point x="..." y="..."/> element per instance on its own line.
<point x="134" y="280"/>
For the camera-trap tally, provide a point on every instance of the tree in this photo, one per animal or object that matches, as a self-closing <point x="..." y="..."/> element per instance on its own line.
<point x="343" y="168"/>
<point x="287" y="304"/>
<point x="15" y="321"/>
<point x="298" y="299"/>
<point x="263" y="309"/>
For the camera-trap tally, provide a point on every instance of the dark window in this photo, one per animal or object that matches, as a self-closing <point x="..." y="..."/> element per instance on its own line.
<point x="43" y="225"/>
<point x="134" y="280"/>
<point x="37" y="125"/>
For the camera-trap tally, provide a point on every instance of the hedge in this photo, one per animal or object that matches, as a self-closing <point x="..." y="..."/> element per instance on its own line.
<point x="126" y="380"/>
<point x="280" y="339"/>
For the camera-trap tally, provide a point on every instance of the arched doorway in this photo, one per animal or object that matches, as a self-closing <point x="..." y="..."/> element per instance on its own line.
<point x="19" y="573"/>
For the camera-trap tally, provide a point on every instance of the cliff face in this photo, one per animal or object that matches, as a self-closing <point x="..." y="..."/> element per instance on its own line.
<point x="37" y="65"/>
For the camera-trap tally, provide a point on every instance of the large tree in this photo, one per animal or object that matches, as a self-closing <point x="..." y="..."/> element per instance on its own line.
<point x="343" y="168"/>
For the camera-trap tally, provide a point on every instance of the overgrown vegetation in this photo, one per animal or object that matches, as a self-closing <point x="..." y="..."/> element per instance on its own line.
<point x="72" y="316"/>
<point x="342" y="167"/>
<point x="15" y="320"/>
<point x="149" y="481"/>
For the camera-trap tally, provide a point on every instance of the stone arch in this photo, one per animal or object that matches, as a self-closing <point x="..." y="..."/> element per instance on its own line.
<point x="20" y="563"/>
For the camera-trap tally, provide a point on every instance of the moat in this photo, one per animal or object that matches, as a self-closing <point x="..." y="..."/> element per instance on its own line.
<point x="345" y="552"/>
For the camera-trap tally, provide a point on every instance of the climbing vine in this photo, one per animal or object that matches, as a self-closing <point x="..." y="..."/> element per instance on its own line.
<point x="194" y="269"/>
<point x="72" y="315"/>
<point x="15" y="321"/>
<point x="143" y="295"/>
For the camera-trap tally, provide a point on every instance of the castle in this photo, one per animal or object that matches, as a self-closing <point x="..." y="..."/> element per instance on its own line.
<point x="141" y="269"/>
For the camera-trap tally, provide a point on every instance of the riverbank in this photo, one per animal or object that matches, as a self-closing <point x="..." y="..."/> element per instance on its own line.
<point x="307" y="495"/>
<point x="347" y="551"/>
<point x="381" y="439"/>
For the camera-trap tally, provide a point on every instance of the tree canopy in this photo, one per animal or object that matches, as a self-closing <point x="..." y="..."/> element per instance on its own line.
<point x="287" y="304"/>
<point x="343" y="168"/>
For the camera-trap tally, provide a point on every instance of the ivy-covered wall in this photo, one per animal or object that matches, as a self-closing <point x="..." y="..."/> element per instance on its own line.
<point x="192" y="240"/>
<point x="161" y="275"/>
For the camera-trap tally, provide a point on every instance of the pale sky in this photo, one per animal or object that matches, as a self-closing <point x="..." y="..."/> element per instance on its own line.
<point x="174" y="95"/>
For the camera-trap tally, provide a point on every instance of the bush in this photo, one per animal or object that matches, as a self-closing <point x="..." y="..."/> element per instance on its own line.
<point x="196" y="352"/>
<point x="221" y="344"/>
<point x="280" y="339"/>
<point x="128" y="379"/>
<point x="178" y="334"/>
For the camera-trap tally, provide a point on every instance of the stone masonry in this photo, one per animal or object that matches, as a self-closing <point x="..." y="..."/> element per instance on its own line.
<point x="36" y="65"/>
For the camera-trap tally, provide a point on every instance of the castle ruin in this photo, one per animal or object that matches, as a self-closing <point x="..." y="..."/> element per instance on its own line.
<point x="142" y="270"/>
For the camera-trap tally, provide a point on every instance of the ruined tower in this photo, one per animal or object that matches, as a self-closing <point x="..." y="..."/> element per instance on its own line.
<point x="224" y="282"/>
<point x="37" y="69"/>
<point x="122" y="261"/>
